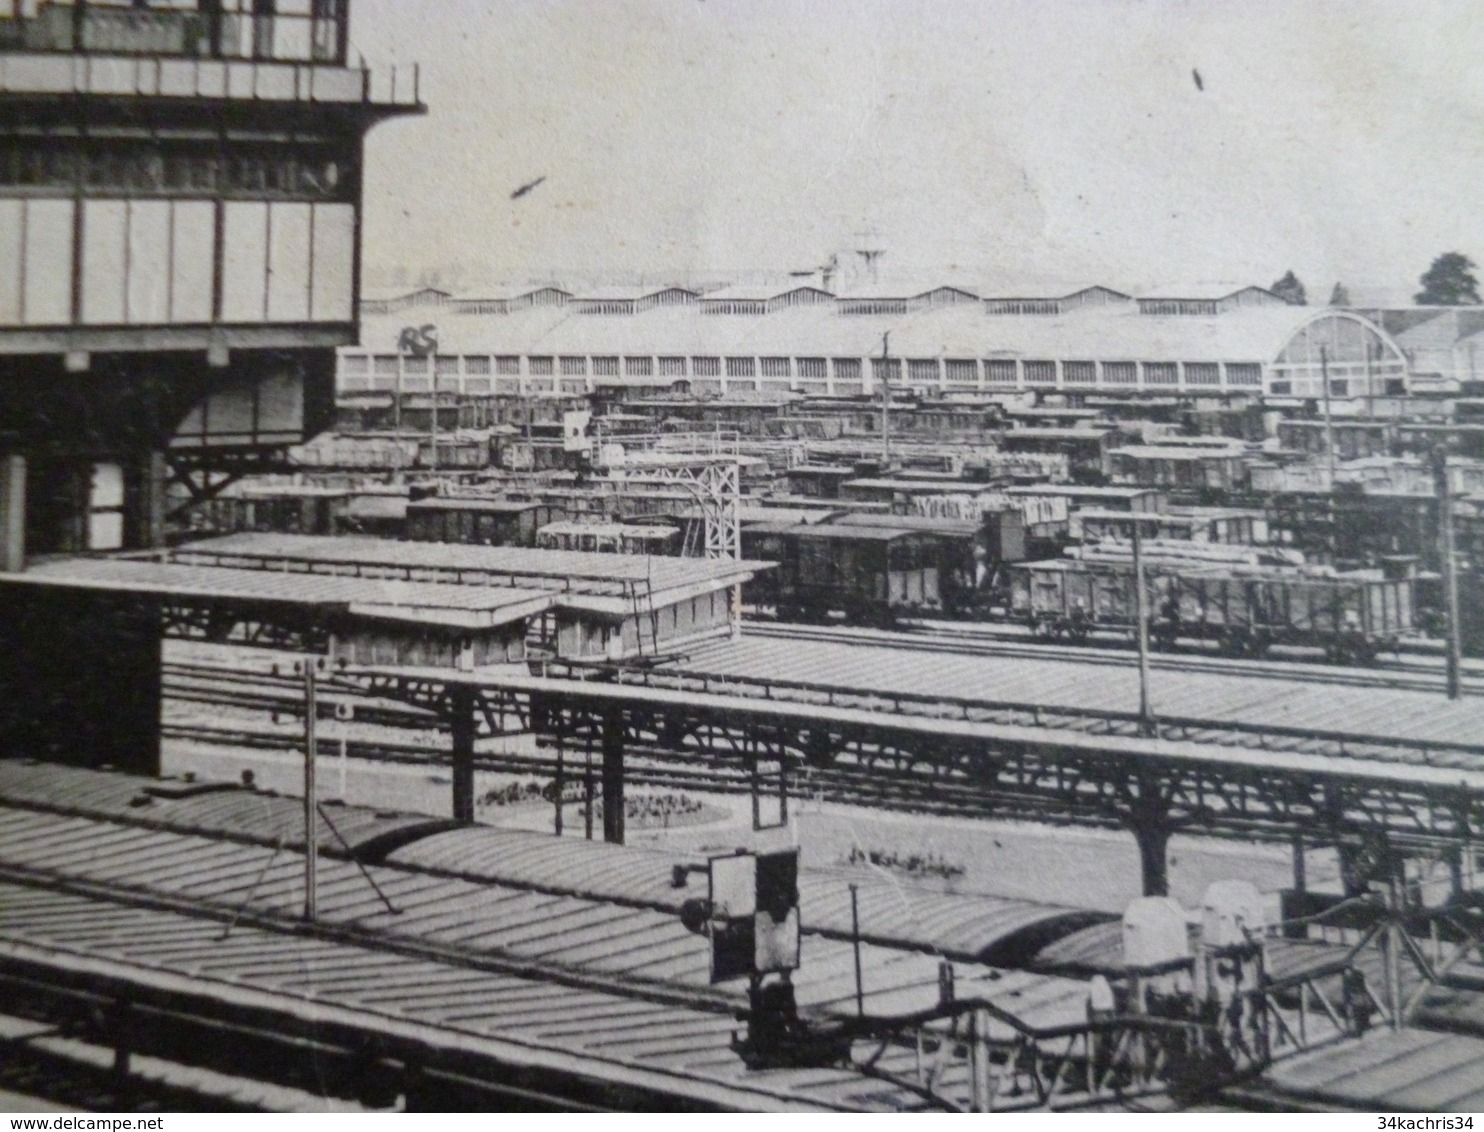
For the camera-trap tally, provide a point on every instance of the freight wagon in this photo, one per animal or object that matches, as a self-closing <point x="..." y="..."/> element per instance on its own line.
<point x="1246" y="609"/>
<point x="1209" y="473"/>
<point x="872" y="575"/>
<point x="609" y="538"/>
<point x="1197" y="525"/>
<point x="476" y="521"/>
<point x="970" y="554"/>
<point x="299" y="509"/>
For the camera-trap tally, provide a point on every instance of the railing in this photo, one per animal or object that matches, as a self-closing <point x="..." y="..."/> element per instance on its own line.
<point x="83" y="28"/>
<point x="971" y="1055"/>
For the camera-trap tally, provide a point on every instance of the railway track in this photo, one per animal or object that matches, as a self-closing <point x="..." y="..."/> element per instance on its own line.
<point x="59" y="1066"/>
<point x="976" y="642"/>
<point x="265" y="691"/>
<point x="659" y="770"/>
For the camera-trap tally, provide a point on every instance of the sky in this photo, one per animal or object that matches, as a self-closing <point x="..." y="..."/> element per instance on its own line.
<point x="992" y="140"/>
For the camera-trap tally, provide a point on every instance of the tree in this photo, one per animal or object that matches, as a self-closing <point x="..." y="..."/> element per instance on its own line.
<point x="1449" y="282"/>
<point x="1340" y="296"/>
<point x="1290" y="290"/>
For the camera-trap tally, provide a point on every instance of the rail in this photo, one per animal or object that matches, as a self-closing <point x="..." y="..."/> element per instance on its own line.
<point x="982" y="638"/>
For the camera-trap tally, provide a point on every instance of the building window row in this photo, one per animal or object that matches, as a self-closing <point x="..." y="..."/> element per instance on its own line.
<point x="740" y="372"/>
<point x="116" y="169"/>
<point x="282" y="30"/>
<point x="1179" y="306"/>
<point x="1080" y="373"/>
<point x="1022" y="306"/>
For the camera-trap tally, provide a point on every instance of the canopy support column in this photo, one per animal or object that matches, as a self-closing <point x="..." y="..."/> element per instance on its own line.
<point x="462" y="727"/>
<point x="613" y="797"/>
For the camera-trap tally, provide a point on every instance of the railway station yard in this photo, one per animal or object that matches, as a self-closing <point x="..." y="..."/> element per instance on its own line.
<point x="1089" y="868"/>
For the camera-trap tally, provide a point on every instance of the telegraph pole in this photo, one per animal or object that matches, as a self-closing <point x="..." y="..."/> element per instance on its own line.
<point x="885" y="402"/>
<point x="1329" y="428"/>
<point x="311" y="841"/>
<point x="397" y="395"/>
<point x="433" y="455"/>
<point x="1141" y="607"/>
<point x="1454" y="653"/>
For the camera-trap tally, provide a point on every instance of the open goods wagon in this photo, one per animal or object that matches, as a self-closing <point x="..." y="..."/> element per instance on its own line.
<point x="1247" y="609"/>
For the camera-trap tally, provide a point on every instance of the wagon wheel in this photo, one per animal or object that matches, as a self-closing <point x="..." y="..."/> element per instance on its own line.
<point x="813" y="613"/>
<point x="1235" y="643"/>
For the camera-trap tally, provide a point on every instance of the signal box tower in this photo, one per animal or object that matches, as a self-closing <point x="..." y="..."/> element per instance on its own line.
<point x="180" y="214"/>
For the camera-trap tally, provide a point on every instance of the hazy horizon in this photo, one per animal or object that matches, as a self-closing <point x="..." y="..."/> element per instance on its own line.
<point x="976" y="138"/>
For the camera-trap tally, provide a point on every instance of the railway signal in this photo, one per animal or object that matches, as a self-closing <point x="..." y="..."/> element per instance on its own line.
<point x="751" y="915"/>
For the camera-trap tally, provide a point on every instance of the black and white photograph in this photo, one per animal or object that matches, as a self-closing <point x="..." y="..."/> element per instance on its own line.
<point x="756" y="556"/>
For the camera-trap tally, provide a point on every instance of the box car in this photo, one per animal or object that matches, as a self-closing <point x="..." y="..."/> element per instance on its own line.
<point x="1209" y="471"/>
<point x="609" y="538"/>
<point x="1086" y="449"/>
<point x="299" y="509"/>
<point x="871" y="574"/>
<point x="1202" y="525"/>
<point x="475" y="521"/>
<point x="970" y="554"/>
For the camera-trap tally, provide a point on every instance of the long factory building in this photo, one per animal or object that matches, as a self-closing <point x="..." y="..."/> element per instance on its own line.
<point x="759" y="342"/>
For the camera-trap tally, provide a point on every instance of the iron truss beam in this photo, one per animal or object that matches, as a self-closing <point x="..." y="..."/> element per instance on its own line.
<point x="1272" y="737"/>
<point x="292" y="629"/>
<point x="715" y="484"/>
<point x="206" y="472"/>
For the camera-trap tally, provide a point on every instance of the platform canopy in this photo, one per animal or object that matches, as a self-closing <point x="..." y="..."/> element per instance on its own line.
<point x="426" y="603"/>
<point x="645" y="579"/>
